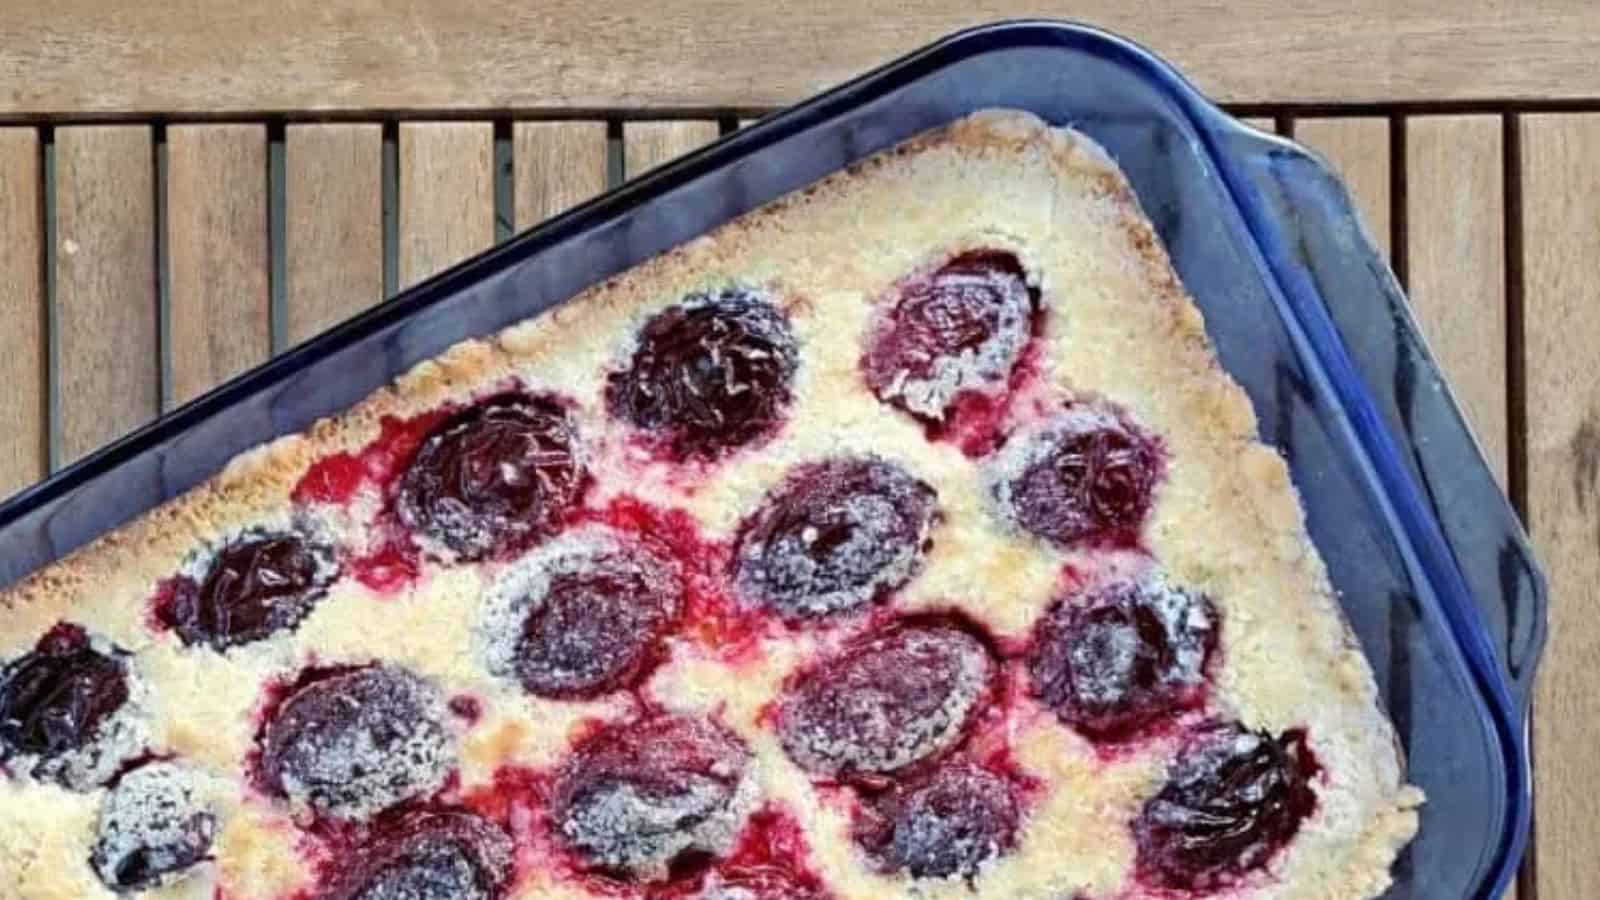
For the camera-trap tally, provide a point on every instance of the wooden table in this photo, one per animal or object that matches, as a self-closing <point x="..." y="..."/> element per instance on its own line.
<point x="190" y="186"/>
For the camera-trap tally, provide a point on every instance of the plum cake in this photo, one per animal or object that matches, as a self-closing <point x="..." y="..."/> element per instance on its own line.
<point x="902" y="538"/>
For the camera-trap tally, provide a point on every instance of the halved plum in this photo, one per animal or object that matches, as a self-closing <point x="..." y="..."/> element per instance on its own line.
<point x="944" y="824"/>
<point x="155" y="826"/>
<point x="353" y="742"/>
<point x="1087" y="475"/>
<point x="1232" y="800"/>
<point x="887" y="702"/>
<point x="427" y="855"/>
<point x="495" y="477"/>
<point x="256" y="585"/>
<point x="834" y="536"/>
<point x="959" y="329"/>
<point x="581" y="616"/>
<point x="709" y="374"/>
<point x="62" y="707"/>
<point x="637" y="796"/>
<point x="1127" y="654"/>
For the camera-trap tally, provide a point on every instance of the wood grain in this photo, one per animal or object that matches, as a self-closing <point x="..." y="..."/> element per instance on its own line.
<point x="557" y="165"/>
<point x="1358" y="148"/>
<point x="646" y="145"/>
<point x="219" y="316"/>
<point x="108" y="370"/>
<point x="24" y="423"/>
<point x="333" y="225"/>
<point x="446" y="195"/>
<point x="1561" y="241"/>
<point x="1455" y="262"/>
<point x="194" y="56"/>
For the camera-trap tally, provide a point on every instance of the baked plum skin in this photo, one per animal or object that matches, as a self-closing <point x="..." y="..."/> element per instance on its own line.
<point x="1119" y="659"/>
<point x="708" y="375"/>
<point x="833" y="537"/>
<point x="960" y="329"/>
<point x="1232" y="800"/>
<point x="351" y="743"/>
<point x="72" y="710"/>
<point x="429" y="854"/>
<point x="584" y="615"/>
<point x="637" y="797"/>
<point x="887" y="702"/>
<point x="495" y="477"/>
<point x="1084" y="477"/>
<point x="256" y="586"/>
<point x="945" y="823"/>
<point x="54" y="698"/>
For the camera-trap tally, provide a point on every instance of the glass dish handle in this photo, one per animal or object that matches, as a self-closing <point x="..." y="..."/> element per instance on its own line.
<point x="1330" y="246"/>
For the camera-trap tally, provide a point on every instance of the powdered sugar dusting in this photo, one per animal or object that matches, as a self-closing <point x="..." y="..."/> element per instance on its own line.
<point x="357" y="743"/>
<point x="432" y="874"/>
<point x="1114" y="661"/>
<point x="1032" y="445"/>
<point x="834" y="536"/>
<point x="619" y="826"/>
<point x="959" y="329"/>
<point x="640" y="795"/>
<point x="578" y="614"/>
<point x="886" y="704"/>
<point x="948" y="824"/>
<point x="445" y="854"/>
<point x="154" y="827"/>
<point x="1084" y="474"/>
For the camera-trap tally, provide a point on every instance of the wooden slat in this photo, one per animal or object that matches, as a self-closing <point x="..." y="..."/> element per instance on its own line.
<point x="1455" y="250"/>
<point x="333" y="225"/>
<point x="23" y="418"/>
<point x="646" y="145"/>
<point x="219" y="312"/>
<point x="558" y="165"/>
<point x="446" y="195"/>
<point x="1358" y="148"/>
<point x="105" y="279"/>
<point x="85" y="56"/>
<point x="1561" y="304"/>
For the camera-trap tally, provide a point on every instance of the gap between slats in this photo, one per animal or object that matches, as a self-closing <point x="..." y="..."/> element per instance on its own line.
<point x="1438" y="209"/>
<point x="1455" y="250"/>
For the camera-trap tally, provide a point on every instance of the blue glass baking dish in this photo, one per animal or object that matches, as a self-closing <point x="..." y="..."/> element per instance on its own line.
<point x="1431" y="565"/>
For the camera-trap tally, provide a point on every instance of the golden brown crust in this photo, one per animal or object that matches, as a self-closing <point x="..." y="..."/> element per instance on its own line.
<point x="1227" y="521"/>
